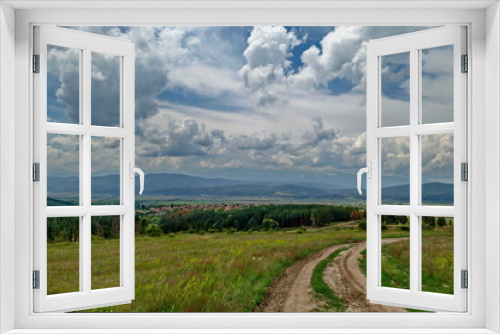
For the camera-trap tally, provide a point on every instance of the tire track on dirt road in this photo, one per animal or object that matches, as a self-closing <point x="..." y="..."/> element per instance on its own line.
<point x="345" y="278"/>
<point x="292" y="291"/>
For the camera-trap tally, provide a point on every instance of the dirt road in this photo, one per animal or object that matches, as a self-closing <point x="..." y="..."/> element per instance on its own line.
<point x="345" y="278"/>
<point x="292" y="291"/>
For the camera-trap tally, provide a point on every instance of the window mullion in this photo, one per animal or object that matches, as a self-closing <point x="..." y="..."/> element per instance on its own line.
<point x="414" y="172"/>
<point x="87" y="172"/>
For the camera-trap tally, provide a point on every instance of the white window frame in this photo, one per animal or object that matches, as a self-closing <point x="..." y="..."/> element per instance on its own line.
<point x="484" y="103"/>
<point x="413" y="43"/>
<point x="86" y="43"/>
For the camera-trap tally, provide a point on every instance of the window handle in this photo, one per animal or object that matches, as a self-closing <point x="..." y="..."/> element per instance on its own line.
<point x="368" y="171"/>
<point x="139" y="171"/>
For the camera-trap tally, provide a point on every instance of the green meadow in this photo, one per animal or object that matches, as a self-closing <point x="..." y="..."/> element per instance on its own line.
<point x="231" y="271"/>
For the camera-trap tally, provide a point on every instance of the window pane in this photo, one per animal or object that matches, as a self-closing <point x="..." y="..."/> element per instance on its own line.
<point x="63" y="170"/>
<point x="105" y="89"/>
<point x="437" y="84"/>
<point x="105" y="252"/>
<point x="395" y="85"/>
<point x="105" y="171"/>
<point x="437" y="169"/>
<point x="395" y="170"/>
<point x="395" y="260"/>
<point x="63" y="255"/>
<point x="63" y="85"/>
<point x="437" y="254"/>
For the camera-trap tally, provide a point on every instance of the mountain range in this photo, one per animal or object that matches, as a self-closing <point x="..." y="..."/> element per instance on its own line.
<point x="194" y="187"/>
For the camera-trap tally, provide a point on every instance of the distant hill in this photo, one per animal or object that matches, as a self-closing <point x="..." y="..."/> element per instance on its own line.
<point x="191" y="187"/>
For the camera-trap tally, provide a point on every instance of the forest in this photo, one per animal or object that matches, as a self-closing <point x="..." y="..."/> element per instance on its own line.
<point x="187" y="219"/>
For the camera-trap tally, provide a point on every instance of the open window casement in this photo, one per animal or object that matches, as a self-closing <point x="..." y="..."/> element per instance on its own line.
<point x="406" y="132"/>
<point x="84" y="134"/>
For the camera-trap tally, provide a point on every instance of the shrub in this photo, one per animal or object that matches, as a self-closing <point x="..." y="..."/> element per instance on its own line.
<point x="441" y="222"/>
<point x="270" y="224"/>
<point x="153" y="230"/>
<point x="404" y="228"/>
<point x="231" y="230"/>
<point x="362" y="225"/>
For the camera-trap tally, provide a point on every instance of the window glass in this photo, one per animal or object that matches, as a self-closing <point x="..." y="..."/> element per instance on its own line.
<point x="395" y="94"/>
<point x="437" y="84"/>
<point x="395" y="264"/>
<point x="63" y="84"/>
<point x="437" y="169"/>
<point x="105" y="89"/>
<point x="106" y="161"/>
<point x="437" y="254"/>
<point x="105" y="252"/>
<point x="395" y="166"/>
<point x="63" y="255"/>
<point x="63" y="170"/>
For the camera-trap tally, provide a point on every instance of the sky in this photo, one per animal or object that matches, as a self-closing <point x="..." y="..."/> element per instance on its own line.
<point x="251" y="103"/>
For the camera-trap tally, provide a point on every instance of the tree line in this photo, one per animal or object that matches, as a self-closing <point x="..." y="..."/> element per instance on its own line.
<point x="67" y="229"/>
<point x="253" y="218"/>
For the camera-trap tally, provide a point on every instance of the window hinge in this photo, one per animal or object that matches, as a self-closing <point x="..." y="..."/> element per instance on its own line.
<point x="464" y="170"/>
<point x="36" y="63"/>
<point x="36" y="172"/>
<point x="36" y="279"/>
<point x="465" y="63"/>
<point x="465" y="279"/>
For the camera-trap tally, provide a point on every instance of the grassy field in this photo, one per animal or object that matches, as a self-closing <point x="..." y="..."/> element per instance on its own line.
<point x="217" y="272"/>
<point x="437" y="262"/>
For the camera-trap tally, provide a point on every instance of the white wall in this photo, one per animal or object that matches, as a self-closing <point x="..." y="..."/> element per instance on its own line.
<point x="492" y="164"/>
<point x="7" y="163"/>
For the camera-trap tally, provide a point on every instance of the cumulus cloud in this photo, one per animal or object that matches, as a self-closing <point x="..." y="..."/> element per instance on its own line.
<point x="395" y="156"/>
<point x="319" y="133"/>
<point x="62" y="155"/>
<point x="63" y="65"/>
<point x="256" y="141"/>
<point x="165" y="136"/>
<point x="437" y="157"/>
<point x="267" y="62"/>
<point x="342" y="54"/>
<point x="166" y="58"/>
<point x="319" y="147"/>
<point x="219" y="97"/>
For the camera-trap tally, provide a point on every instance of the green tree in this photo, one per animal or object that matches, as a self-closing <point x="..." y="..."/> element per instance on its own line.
<point x="321" y="216"/>
<point x="153" y="230"/>
<point x="428" y="223"/>
<point x="441" y="221"/>
<point x="270" y="224"/>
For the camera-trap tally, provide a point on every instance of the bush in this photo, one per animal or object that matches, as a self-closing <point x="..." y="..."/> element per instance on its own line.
<point x="231" y="230"/>
<point x="384" y="227"/>
<point x="362" y="225"/>
<point x="270" y="224"/>
<point x="405" y="228"/>
<point x="153" y="230"/>
<point x="441" y="222"/>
